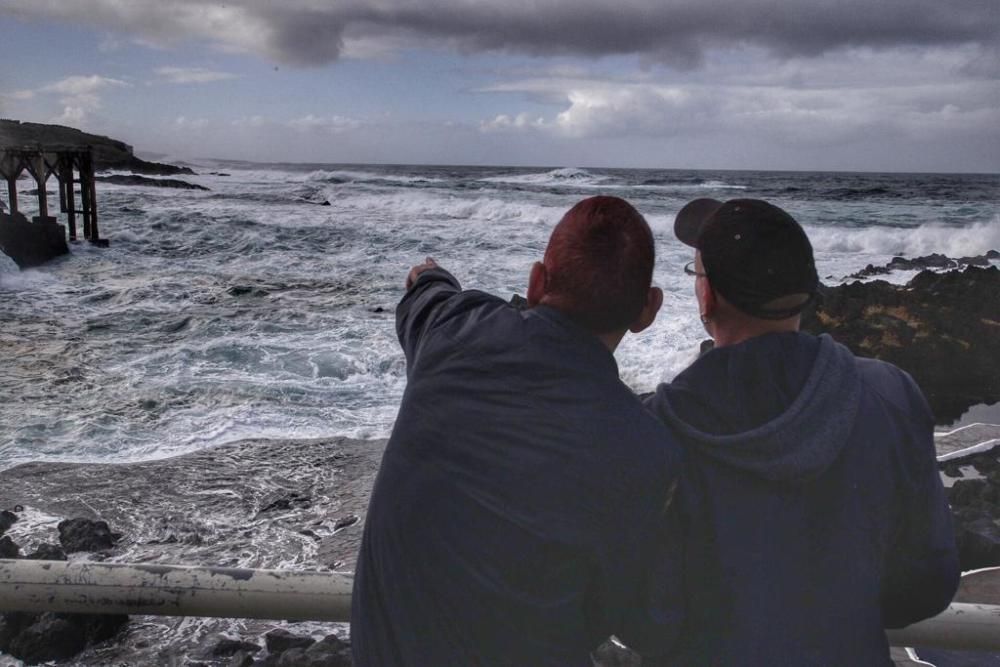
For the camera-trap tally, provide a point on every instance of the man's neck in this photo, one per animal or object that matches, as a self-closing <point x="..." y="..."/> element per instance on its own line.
<point x="611" y="340"/>
<point x="725" y="336"/>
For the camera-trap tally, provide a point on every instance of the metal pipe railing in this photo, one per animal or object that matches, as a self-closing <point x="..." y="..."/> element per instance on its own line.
<point x="174" y="590"/>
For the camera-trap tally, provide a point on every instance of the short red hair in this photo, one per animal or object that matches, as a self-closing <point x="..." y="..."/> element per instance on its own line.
<point x="599" y="263"/>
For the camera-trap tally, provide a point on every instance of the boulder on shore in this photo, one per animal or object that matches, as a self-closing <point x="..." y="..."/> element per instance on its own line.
<point x="85" y="535"/>
<point x="941" y="328"/>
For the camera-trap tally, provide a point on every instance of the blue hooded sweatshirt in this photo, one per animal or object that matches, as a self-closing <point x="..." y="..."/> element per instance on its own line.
<point x="811" y="511"/>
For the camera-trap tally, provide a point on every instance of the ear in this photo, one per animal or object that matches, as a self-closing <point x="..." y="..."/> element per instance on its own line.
<point x="707" y="301"/>
<point x="536" y="284"/>
<point x="654" y="299"/>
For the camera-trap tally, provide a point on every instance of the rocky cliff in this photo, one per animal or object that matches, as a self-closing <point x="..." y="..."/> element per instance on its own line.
<point x="108" y="153"/>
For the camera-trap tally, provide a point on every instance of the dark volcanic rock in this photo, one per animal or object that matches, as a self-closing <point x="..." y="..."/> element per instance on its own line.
<point x="933" y="261"/>
<point x="132" y="179"/>
<point x="942" y="328"/>
<point x="8" y="549"/>
<point x="47" y="552"/>
<point x="11" y="626"/>
<point x="280" y="640"/>
<point x="331" y="651"/>
<point x="50" y="637"/>
<point x="36" y="638"/>
<point x="978" y="543"/>
<point x="31" y="243"/>
<point x="225" y="647"/>
<point x="7" y="519"/>
<point x="241" y="659"/>
<point x="85" y="535"/>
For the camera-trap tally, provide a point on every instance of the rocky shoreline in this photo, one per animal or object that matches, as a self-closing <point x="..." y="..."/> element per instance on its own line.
<point x="942" y="328"/>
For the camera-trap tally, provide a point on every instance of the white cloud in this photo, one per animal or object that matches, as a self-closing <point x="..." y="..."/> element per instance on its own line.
<point x="522" y="121"/>
<point x="79" y="96"/>
<point x="72" y="116"/>
<point x="184" y="75"/>
<point x="82" y="85"/>
<point x="331" y="124"/>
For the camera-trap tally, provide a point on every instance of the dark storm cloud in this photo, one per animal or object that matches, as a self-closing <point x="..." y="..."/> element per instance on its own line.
<point x="676" y="32"/>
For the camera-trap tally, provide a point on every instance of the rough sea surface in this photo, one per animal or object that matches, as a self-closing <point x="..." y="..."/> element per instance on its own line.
<point x="254" y="311"/>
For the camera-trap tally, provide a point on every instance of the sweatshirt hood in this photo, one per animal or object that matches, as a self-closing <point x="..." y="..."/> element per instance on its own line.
<point x="781" y="406"/>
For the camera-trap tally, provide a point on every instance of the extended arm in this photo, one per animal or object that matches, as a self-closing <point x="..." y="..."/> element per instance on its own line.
<point x="428" y="286"/>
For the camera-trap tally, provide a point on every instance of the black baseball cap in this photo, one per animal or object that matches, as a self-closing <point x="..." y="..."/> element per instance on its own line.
<point x="755" y="254"/>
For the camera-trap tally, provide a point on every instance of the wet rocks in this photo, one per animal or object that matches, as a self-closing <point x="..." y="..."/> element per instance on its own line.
<point x="133" y="179"/>
<point x="47" y="552"/>
<point x="280" y="640"/>
<point x="932" y="261"/>
<point x="37" y="638"/>
<point x="331" y="651"/>
<point x="975" y="505"/>
<point x="284" y="649"/>
<point x="942" y="328"/>
<point x="8" y="548"/>
<point x="7" y="519"/>
<point x="225" y="647"/>
<point x="85" y="535"/>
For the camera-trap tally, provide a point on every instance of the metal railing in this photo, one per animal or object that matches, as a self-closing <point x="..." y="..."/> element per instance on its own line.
<point x="174" y="590"/>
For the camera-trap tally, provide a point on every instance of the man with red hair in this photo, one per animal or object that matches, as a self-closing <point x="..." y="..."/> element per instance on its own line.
<point x="522" y="493"/>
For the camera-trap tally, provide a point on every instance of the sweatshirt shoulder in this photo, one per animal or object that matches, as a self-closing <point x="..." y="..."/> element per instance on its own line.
<point x="893" y="386"/>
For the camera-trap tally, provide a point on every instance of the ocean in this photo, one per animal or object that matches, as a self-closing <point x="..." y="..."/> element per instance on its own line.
<point x="256" y="311"/>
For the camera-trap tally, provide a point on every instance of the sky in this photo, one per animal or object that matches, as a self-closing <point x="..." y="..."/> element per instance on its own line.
<point x="858" y="85"/>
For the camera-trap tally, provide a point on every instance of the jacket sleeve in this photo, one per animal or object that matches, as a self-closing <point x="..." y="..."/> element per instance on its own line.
<point x="419" y="307"/>
<point x="922" y="568"/>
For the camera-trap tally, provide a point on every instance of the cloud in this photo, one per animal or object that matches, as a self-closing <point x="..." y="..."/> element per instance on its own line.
<point x="82" y="85"/>
<point x="184" y="75"/>
<point x="521" y="121"/>
<point x="799" y="102"/>
<point x="680" y="32"/>
<point x="72" y="116"/>
<point x="78" y="96"/>
<point x="330" y="124"/>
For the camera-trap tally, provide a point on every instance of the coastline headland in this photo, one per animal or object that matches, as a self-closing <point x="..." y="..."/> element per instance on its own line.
<point x="108" y="153"/>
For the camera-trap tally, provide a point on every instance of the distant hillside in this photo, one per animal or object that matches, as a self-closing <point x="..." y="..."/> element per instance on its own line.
<point x="108" y="153"/>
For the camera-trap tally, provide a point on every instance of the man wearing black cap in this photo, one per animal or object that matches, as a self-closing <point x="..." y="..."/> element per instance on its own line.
<point x="812" y="514"/>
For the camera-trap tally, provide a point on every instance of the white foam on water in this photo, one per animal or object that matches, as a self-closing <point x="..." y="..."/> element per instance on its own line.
<point x="952" y="241"/>
<point x="352" y="176"/>
<point x="555" y="177"/>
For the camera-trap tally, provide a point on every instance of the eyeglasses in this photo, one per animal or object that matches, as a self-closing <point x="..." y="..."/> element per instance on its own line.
<point x="690" y="270"/>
